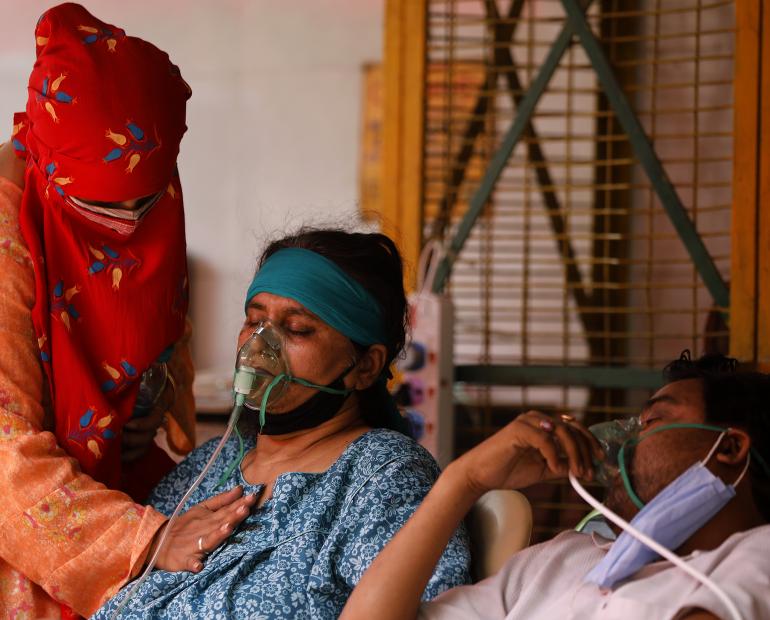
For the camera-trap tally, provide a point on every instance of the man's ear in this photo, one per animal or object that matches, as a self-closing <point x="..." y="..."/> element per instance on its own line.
<point x="734" y="448"/>
<point x="370" y="366"/>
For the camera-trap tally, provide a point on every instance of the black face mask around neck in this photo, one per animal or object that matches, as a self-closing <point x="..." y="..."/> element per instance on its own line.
<point x="316" y="410"/>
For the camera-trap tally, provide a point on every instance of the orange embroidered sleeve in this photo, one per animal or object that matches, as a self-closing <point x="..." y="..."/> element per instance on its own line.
<point x="63" y="536"/>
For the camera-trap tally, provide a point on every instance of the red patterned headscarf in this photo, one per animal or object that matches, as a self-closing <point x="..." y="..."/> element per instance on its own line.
<point x="105" y="116"/>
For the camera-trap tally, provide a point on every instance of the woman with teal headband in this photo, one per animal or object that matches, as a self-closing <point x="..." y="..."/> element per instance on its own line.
<point x="327" y="454"/>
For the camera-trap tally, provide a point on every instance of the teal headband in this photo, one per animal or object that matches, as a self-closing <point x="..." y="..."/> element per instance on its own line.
<point x="325" y="290"/>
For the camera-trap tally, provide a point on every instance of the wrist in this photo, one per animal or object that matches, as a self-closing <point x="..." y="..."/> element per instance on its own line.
<point x="154" y="544"/>
<point x="456" y="482"/>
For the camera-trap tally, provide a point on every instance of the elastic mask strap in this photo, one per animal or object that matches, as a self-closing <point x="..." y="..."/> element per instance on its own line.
<point x="622" y="461"/>
<point x="236" y="461"/>
<point x="266" y="396"/>
<point x="665" y="427"/>
<point x="326" y="388"/>
<point x="322" y="388"/>
<point x="262" y="408"/>
<point x="714" y="447"/>
<point x="745" y="469"/>
<point x="624" y="475"/>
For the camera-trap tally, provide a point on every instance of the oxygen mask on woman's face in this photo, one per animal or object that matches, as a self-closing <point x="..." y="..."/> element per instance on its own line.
<point x="612" y="436"/>
<point x="261" y="367"/>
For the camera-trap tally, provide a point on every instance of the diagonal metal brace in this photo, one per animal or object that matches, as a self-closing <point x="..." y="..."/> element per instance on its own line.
<point x="504" y="57"/>
<point x="643" y="150"/>
<point x="475" y="126"/>
<point x="500" y="158"/>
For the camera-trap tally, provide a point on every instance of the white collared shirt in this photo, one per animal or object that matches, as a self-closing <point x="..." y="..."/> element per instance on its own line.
<point x="545" y="582"/>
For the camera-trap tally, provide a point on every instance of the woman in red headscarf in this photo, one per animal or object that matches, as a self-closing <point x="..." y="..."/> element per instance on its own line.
<point x="93" y="294"/>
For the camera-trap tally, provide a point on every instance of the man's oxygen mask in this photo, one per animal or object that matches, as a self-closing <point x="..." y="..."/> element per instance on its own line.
<point x="612" y="436"/>
<point x="261" y="368"/>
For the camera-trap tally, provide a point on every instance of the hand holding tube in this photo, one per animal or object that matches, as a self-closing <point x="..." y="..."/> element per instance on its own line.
<point x="532" y="448"/>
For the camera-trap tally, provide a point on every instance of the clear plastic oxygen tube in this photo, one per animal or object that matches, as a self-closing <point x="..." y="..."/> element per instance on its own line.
<point x="656" y="547"/>
<point x="242" y="385"/>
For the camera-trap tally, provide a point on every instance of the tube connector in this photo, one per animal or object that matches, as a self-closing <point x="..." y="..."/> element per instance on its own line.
<point x="243" y="381"/>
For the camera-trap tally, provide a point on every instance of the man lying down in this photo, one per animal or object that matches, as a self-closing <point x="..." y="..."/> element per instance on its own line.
<point x="696" y="479"/>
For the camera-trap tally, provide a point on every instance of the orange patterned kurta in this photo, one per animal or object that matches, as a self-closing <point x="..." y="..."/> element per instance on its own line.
<point x="63" y="536"/>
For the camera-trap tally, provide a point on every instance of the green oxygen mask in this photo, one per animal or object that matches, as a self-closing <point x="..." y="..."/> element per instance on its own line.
<point x="619" y="438"/>
<point x="612" y="437"/>
<point x="261" y="368"/>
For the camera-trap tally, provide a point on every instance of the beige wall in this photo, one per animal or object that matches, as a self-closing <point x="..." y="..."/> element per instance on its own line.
<point x="274" y="125"/>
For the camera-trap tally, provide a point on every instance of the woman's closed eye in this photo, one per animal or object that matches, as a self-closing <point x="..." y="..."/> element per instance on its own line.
<point x="298" y="331"/>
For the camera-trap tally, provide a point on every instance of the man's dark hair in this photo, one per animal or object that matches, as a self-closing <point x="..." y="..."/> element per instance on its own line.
<point x="734" y="397"/>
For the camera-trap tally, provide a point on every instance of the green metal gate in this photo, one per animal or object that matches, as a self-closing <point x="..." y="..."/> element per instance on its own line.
<point x="577" y="161"/>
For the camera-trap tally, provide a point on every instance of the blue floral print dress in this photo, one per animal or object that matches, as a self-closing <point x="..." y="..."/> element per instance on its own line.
<point x="301" y="554"/>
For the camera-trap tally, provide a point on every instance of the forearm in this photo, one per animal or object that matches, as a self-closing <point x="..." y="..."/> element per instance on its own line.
<point x="49" y="504"/>
<point x="519" y="455"/>
<point x="393" y="585"/>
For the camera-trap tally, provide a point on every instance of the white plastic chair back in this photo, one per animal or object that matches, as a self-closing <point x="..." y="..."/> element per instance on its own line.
<point x="500" y="524"/>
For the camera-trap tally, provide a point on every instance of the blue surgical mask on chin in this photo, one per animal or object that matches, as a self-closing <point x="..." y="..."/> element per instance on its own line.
<point x="670" y="518"/>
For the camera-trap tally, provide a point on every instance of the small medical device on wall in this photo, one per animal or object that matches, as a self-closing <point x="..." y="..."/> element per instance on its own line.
<point x="427" y="370"/>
